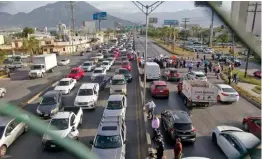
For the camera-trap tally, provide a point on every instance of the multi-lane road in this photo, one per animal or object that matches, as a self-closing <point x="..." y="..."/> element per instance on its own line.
<point x="204" y="119"/>
<point x="29" y="145"/>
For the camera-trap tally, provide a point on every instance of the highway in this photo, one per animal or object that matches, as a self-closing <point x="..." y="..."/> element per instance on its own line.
<point x="29" y="145"/>
<point x="204" y="119"/>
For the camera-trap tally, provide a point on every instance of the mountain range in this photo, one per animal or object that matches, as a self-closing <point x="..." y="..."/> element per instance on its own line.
<point x="51" y="14"/>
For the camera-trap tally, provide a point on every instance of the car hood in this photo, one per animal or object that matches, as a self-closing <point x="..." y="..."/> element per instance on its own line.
<point x="71" y="75"/>
<point x="60" y="133"/>
<point x="34" y="71"/>
<point x="84" y="98"/>
<point x="108" y="153"/>
<point x="118" y="112"/>
<point x="46" y="109"/>
<point x="127" y="75"/>
<point x="61" y="88"/>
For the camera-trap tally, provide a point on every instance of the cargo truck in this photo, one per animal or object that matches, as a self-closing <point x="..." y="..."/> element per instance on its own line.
<point x="42" y="64"/>
<point x="197" y="93"/>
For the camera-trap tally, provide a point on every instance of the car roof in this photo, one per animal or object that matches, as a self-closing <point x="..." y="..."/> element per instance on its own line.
<point x="51" y="93"/>
<point x="4" y="120"/>
<point x="247" y="139"/>
<point x="61" y="115"/>
<point x="223" y="86"/>
<point x="99" y="68"/>
<point x="118" y="77"/>
<point x="109" y="126"/>
<point x="115" y="97"/>
<point x="87" y="86"/>
<point x="159" y="83"/>
<point x="65" y="79"/>
<point x="181" y="117"/>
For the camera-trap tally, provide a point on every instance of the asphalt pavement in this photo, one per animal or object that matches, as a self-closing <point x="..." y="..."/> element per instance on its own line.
<point x="204" y="119"/>
<point x="29" y="145"/>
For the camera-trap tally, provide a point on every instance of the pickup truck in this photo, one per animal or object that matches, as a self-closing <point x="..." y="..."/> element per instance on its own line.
<point x="63" y="124"/>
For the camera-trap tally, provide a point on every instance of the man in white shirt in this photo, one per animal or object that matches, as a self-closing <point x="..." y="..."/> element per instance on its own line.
<point x="151" y="106"/>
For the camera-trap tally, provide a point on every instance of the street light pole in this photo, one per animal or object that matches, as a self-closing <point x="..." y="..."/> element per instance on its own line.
<point x="152" y="7"/>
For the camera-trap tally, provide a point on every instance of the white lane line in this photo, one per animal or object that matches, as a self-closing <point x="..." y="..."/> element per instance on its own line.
<point x="148" y="139"/>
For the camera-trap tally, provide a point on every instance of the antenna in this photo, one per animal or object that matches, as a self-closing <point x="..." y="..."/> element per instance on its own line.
<point x="71" y="6"/>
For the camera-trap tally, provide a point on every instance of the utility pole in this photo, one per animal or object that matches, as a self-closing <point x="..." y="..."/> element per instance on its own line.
<point x="233" y="44"/>
<point x="211" y="29"/>
<point x="252" y="29"/>
<point x="148" y="9"/>
<point x="185" y="20"/>
<point x="71" y="6"/>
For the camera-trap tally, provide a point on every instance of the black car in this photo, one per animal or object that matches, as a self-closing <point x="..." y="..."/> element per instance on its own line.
<point x="178" y="124"/>
<point x="50" y="104"/>
<point x="126" y="73"/>
<point x="102" y="80"/>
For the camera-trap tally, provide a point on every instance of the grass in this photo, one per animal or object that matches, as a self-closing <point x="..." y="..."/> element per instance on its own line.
<point x="257" y="89"/>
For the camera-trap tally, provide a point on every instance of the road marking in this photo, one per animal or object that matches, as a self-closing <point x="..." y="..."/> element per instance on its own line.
<point x="137" y="126"/>
<point x="148" y="139"/>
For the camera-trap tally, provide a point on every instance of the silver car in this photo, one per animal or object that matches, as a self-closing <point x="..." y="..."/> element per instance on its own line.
<point x="110" y="140"/>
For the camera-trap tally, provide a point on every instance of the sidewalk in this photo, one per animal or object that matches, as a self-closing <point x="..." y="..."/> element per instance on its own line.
<point x="248" y="87"/>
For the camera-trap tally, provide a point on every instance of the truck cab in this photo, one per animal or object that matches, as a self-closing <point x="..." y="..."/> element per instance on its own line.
<point x="37" y="70"/>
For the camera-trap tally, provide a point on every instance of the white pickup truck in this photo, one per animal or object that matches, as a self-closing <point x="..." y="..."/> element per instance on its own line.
<point x="63" y="124"/>
<point x="196" y="92"/>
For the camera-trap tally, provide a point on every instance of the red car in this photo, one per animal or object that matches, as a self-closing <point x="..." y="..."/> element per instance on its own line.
<point x="130" y="56"/>
<point x="159" y="89"/>
<point x="253" y="125"/>
<point x="76" y="73"/>
<point x="116" y="53"/>
<point x="127" y="65"/>
<point x="257" y="74"/>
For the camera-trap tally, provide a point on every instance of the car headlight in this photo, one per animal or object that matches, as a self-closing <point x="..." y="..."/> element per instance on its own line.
<point x="38" y="111"/>
<point x="54" y="111"/>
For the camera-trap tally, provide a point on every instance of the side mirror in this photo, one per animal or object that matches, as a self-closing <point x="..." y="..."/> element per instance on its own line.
<point x="91" y="142"/>
<point x="125" y="141"/>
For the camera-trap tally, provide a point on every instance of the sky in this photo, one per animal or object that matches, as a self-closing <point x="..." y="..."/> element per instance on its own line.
<point x="110" y="6"/>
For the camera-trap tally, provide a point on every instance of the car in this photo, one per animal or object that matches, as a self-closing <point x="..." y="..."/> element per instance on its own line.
<point x="178" y="124"/>
<point x="89" y="49"/>
<point x="98" y="71"/>
<point x="116" y="106"/>
<point x="102" y="80"/>
<point x="171" y="74"/>
<point x="17" y="64"/>
<point x="87" y="96"/>
<point x="50" y="104"/>
<point x="82" y="53"/>
<point x="106" y="65"/>
<point x="127" y="65"/>
<point x="110" y="140"/>
<point x="196" y="75"/>
<point x="2" y="92"/>
<point x="11" y="129"/>
<point x="253" y="125"/>
<point x="94" y="59"/>
<point x="226" y="93"/>
<point x="66" y="124"/>
<point x="124" y="58"/>
<point x="65" y="85"/>
<point x="111" y="60"/>
<point x="159" y="89"/>
<point x="64" y="62"/>
<point x="126" y="73"/>
<point x="88" y="65"/>
<point x="130" y="56"/>
<point x="257" y="74"/>
<point x="99" y="56"/>
<point x="235" y="143"/>
<point x="118" y="85"/>
<point x="122" y="49"/>
<point x="76" y="73"/>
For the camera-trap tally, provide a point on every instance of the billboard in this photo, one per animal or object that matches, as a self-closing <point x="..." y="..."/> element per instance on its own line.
<point x="100" y="16"/>
<point x="89" y="27"/>
<point x="152" y="20"/>
<point x="171" y="22"/>
<point x="206" y="4"/>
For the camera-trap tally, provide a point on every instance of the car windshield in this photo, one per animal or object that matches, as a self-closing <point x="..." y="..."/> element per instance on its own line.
<point x="107" y="142"/>
<point x="85" y="92"/>
<point x="173" y="71"/>
<point x="60" y="124"/>
<point x="123" y="71"/>
<point x="110" y="59"/>
<point x="105" y="63"/>
<point x="98" y="71"/>
<point x="64" y="60"/>
<point x="230" y="90"/>
<point x="2" y="129"/>
<point x="161" y="87"/>
<point x="35" y="67"/>
<point x="73" y="71"/>
<point x="200" y="75"/>
<point x="63" y="83"/>
<point x="48" y="101"/>
<point x="87" y="64"/>
<point x="113" y="105"/>
<point x="183" y="126"/>
<point x="118" y="82"/>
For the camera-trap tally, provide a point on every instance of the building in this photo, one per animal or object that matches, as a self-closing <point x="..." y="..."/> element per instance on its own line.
<point x="242" y="18"/>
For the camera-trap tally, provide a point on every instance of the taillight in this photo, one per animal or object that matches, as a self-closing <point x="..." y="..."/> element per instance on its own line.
<point x="177" y="74"/>
<point x="194" y="129"/>
<point x="224" y="94"/>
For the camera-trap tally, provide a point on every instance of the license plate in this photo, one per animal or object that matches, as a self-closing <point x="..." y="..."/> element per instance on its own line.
<point x="52" y="145"/>
<point x="183" y="137"/>
<point x="46" y="115"/>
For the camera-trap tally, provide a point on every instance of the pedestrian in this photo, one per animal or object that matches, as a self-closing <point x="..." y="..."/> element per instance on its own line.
<point x="178" y="149"/>
<point x="235" y="78"/>
<point x="151" y="107"/>
<point x="160" y="149"/>
<point x="164" y="64"/>
<point x="198" y="64"/>
<point x="190" y="66"/>
<point x="184" y="63"/>
<point x="204" y="57"/>
<point x="205" y="69"/>
<point x="210" y="66"/>
<point x="197" y="55"/>
<point x="229" y="76"/>
<point x="155" y="122"/>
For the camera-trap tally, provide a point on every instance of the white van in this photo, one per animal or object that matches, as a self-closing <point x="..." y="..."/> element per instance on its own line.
<point x="152" y="71"/>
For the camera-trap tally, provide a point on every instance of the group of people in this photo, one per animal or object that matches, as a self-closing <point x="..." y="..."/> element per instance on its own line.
<point x="157" y="136"/>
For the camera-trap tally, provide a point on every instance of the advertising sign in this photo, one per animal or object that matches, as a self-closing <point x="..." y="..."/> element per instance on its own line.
<point x="171" y="22"/>
<point x="152" y="20"/>
<point x="100" y="16"/>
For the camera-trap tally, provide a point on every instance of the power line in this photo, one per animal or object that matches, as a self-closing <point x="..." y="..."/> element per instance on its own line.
<point x="71" y="6"/>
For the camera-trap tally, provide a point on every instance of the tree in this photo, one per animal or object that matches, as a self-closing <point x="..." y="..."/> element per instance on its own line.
<point x="223" y="38"/>
<point x="31" y="45"/>
<point x="27" y="31"/>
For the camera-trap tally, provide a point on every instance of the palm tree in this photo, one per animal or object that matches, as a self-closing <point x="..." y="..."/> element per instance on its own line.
<point x="31" y="45"/>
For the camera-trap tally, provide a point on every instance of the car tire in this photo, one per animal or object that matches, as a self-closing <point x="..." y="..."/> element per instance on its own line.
<point x="3" y="150"/>
<point x="2" y="94"/>
<point x="214" y="138"/>
<point x="246" y="128"/>
<point x="69" y="91"/>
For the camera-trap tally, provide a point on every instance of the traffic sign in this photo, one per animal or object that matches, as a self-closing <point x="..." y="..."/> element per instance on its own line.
<point x="100" y="16"/>
<point x="171" y="22"/>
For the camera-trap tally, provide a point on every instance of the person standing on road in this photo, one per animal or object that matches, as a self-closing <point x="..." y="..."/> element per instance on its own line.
<point x="235" y="78"/>
<point x="204" y="57"/>
<point x="160" y="149"/>
<point x="151" y="106"/>
<point x="178" y="149"/>
<point x="205" y="69"/>
<point x="229" y="75"/>
<point x="210" y="66"/>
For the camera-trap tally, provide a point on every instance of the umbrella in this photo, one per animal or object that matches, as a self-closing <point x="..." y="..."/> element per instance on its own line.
<point x="173" y="57"/>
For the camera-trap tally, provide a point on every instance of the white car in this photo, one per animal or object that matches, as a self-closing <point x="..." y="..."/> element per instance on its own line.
<point x="236" y="143"/>
<point x="87" y="96"/>
<point x="98" y="71"/>
<point x="111" y="60"/>
<point x="2" y="92"/>
<point x="106" y="65"/>
<point x="99" y="56"/>
<point x="89" y="49"/>
<point x="11" y="129"/>
<point x="122" y="50"/>
<point x="193" y="75"/>
<point x="64" y="62"/>
<point x="226" y="93"/>
<point x="88" y="65"/>
<point x="65" y="85"/>
<point x="116" y="106"/>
